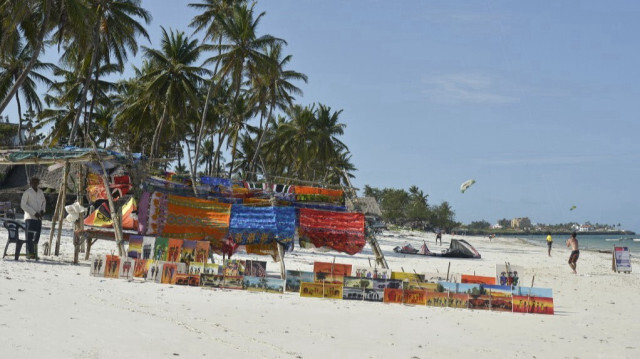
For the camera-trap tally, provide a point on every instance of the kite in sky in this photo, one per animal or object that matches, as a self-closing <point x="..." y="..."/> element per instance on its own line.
<point x="466" y="184"/>
<point x="572" y="208"/>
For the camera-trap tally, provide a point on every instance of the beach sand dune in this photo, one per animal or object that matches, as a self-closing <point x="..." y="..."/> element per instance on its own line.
<point x="54" y="309"/>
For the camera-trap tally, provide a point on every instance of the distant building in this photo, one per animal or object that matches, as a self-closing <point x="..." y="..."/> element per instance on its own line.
<point x="496" y="226"/>
<point x="11" y="129"/>
<point x="520" y="223"/>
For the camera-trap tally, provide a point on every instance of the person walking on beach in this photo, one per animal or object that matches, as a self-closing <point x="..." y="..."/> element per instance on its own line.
<point x="439" y="236"/>
<point x="33" y="204"/>
<point x="549" y="243"/>
<point x="572" y="242"/>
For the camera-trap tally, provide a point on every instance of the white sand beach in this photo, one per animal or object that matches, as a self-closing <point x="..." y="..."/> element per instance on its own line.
<point x="54" y="309"/>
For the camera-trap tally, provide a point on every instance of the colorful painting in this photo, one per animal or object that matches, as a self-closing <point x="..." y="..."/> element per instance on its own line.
<point x="255" y="268"/>
<point x="153" y="270"/>
<point x="192" y="280"/>
<point x="169" y="271"/>
<point x="476" y="279"/>
<point x="211" y="268"/>
<point x="196" y="268"/>
<point x="420" y="285"/>
<point x="253" y="284"/>
<point x="202" y="251"/>
<point x="126" y="268"/>
<point x="415" y="297"/>
<point x="233" y="267"/>
<point x="389" y="283"/>
<point x="510" y="275"/>
<point x="530" y="304"/>
<point x="358" y="282"/>
<point x="211" y="280"/>
<point x="140" y="268"/>
<point x="335" y="269"/>
<point x="313" y="290"/>
<point x="482" y="302"/>
<point x="148" y="244"/>
<point x="438" y="277"/>
<point x="232" y="282"/>
<point x="294" y="278"/>
<point x="371" y="272"/>
<point x="501" y="302"/>
<point x="160" y="251"/>
<point x="112" y="266"/>
<point x="437" y="299"/>
<point x="135" y="246"/>
<point x="333" y="291"/>
<point x="327" y="278"/>
<point x="98" y="266"/>
<point x="173" y="251"/>
<point x="352" y="293"/>
<point x="188" y="253"/>
<point x="461" y="287"/>
<point x="374" y="295"/>
<point x="274" y="285"/>
<point x="458" y="300"/>
<point x="407" y="276"/>
<point x="533" y="292"/>
<point x="392" y="295"/>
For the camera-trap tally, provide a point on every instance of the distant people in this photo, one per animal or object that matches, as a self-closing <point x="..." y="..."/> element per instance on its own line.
<point x="549" y="243"/>
<point x="33" y="204"/>
<point x="572" y="242"/>
<point x="439" y="236"/>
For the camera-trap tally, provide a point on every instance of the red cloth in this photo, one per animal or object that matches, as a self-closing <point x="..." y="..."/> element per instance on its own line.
<point x="341" y="231"/>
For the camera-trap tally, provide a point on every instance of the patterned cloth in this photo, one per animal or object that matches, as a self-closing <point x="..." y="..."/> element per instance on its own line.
<point x="195" y="218"/>
<point x="262" y="225"/>
<point x="315" y="194"/>
<point x="344" y="232"/>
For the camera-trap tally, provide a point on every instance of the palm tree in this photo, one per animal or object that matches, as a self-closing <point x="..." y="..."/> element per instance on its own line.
<point x="274" y="87"/>
<point x="172" y="81"/>
<point x="12" y="64"/>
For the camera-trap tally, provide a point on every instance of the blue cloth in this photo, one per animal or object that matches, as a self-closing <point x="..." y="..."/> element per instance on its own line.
<point x="215" y="181"/>
<point x="262" y="225"/>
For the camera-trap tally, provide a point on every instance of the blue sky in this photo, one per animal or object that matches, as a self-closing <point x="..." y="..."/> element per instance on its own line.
<point x="536" y="101"/>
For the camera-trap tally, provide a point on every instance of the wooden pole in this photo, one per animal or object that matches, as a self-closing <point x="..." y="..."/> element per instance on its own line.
<point x="449" y="267"/>
<point x="283" y="272"/>
<point x="61" y="211"/>
<point x="47" y="250"/>
<point x="78" y="242"/>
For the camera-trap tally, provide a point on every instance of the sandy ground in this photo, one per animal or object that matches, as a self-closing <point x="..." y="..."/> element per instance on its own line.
<point x="54" y="309"/>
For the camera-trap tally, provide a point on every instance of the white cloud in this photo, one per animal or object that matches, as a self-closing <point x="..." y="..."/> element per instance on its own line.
<point x="466" y="88"/>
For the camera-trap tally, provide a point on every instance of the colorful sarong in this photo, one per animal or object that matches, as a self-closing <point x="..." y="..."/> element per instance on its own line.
<point x="341" y="231"/>
<point x="262" y="225"/>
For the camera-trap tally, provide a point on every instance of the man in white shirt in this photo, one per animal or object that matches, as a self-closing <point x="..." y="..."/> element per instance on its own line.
<point x="33" y="204"/>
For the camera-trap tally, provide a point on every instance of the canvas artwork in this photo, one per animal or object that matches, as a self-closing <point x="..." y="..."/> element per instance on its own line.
<point x="441" y="277"/>
<point x="333" y="291"/>
<point x="458" y="300"/>
<point x="211" y="268"/>
<point x="407" y="276"/>
<point x="173" y="251"/>
<point x="374" y="295"/>
<point x="335" y="269"/>
<point x="358" y="282"/>
<point x="389" y="283"/>
<point x="328" y="278"/>
<point x="461" y="287"/>
<point x="507" y="274"/>
<point x="202" y="251"/>
<point x="352" y="293"/>
<point x="153" y="270"/>
<point x="392" y="295"/>
<point x="371" y="272"/>
<point x="420" y="285"/>
<point x="196" y="268"/>
<point x="126" y="268"/>
<point x="533" y="292"/>
<point x="211" y="280"/>
<point x="482" y="302"/>
<point x="135" y="246"/>
<point x="232" y="282"/>
<point x="314" y="290"/>
<point x="294" y="278"/>
<point x="188" y="253"/>
<point x="169" y="271"/>
<point x="531" y="304"/>
<point x="476" y="279"/>
<point x="233" y="267"/>
<point x="254" y="284"/>
<point x="192" y="280"/>
<point x="255" y="268"/>
<point x="140" y="268"/>
<point x="501" y="302"/>
<point x="98" y="266"/>
<point x="160" y="250"/>
<point x="274" y="285"/>
<point x="112" y="266"/>
<point x="148" y="244"/>
<point x="415" y="297"/>
<point x="437" y="299"/>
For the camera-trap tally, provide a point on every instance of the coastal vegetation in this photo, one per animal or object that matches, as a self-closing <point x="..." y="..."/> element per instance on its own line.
<point x="218" y="98"/>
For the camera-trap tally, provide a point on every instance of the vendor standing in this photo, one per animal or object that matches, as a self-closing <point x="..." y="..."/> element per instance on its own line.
<point x="33" y="204"/>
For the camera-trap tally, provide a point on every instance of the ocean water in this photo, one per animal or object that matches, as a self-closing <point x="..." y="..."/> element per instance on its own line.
<point x="592" y="242"/>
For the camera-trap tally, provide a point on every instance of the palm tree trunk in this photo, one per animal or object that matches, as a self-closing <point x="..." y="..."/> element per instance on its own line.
<point x="19" y="120"/>
<point x="88" y="118"/>
<point x="156" y="134"/>
<point x="233" y="150"/>
<point x="34" y="58"/>
<point x="87" y="81"/>
<point x="262" y="133"/>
